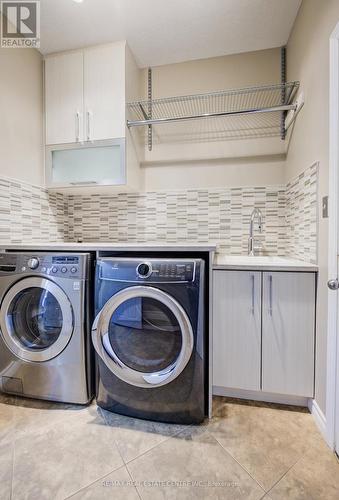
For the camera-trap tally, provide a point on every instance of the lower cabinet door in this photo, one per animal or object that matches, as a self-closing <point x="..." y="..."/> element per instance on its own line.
<point x="288" y="333"/>
<point x="236" y="329"/>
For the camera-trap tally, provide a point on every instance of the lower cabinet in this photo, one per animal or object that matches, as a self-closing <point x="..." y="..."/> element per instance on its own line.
<point x="237" y="329"/>
<point x="264" y="331"/>
<point x="288" y="323"/>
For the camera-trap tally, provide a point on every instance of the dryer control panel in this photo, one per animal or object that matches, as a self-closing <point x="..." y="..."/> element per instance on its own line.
<point x="148" y="270"/>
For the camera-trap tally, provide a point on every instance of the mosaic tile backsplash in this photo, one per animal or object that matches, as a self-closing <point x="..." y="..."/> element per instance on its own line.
<point x="302" y="215"/>
<point x="31" y="214"/>
<point x="220" y="216"/>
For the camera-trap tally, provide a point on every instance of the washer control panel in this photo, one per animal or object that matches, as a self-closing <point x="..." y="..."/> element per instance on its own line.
<point x="65" y="265"/>
<point x="148" y="270"/>
<point x="57" y="265"/>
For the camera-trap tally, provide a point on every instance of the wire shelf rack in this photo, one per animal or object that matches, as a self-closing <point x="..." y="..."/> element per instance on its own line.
<point x="226" y="115"/>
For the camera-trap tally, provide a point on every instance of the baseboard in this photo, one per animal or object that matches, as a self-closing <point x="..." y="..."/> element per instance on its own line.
<point x="318" y="416"/>
<point x="261" y="396"/>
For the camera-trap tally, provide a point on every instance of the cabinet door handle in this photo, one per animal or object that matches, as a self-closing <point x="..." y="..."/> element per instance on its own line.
<point x="77" y="126"/>
<point x="89" y="125"/>
<point x="253" y="293"/>
<point x="83" y="183"/>
<point x="271" y="295"/>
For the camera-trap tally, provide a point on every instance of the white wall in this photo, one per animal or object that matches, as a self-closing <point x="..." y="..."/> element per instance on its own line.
<point x="21" y="123"/>
<point x="264" y="171"/>
<point x="308" y="61"/>
<point x="217" y="73"/>
<point x="173" y="166"/>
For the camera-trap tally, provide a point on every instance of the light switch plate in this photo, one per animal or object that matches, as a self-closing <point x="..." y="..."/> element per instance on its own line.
<point x="325" y="207"/>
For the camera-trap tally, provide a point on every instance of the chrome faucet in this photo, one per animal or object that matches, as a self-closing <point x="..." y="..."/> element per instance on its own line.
<point x="255" y="214"/>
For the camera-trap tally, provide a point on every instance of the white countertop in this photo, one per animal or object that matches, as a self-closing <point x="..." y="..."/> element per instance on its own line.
<point x="261" y="263"/>
<point x="118" y="247"/>
<point x="221" y="261"/>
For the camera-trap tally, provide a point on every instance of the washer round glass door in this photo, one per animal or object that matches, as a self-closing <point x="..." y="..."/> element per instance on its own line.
<point x="36" y="319"/>
<point x="144" y="336"/>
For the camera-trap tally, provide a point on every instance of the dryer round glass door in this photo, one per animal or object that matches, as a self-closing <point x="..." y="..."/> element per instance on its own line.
<point x="36" y="319"/>
<point x="144" y="336"/>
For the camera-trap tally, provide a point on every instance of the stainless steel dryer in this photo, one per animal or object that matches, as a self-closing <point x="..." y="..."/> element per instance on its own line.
<point x="149" y="334"/>
<point x="45" y="326"/>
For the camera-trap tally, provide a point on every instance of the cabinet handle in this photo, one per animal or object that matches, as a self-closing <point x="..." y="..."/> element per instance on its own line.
<point x="253" y="294"/>
<point x="271" y="295"/>
<point x="77" y="127"/>
<point x="89" y="127"/>
<point x="83" y="183"/>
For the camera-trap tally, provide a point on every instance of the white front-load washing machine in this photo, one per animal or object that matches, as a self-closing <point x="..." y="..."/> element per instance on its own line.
<point x="45" y="349"/>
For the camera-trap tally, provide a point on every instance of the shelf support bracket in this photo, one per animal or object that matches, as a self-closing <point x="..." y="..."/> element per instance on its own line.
<point x="149" y="108"/>
<point x="283" y="92"/>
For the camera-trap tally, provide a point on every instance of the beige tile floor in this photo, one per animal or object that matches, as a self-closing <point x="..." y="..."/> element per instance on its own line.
<point x="247" y="451"/>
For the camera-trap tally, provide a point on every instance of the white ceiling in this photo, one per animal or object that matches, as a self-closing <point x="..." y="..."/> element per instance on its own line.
<point x="168" y="31"/>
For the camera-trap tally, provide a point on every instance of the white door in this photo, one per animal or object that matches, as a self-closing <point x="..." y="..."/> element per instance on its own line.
<point x="333" y="300"/>
<point x="236" y="329"/>
<point x="288" y="333"/>
<point x="64" y="98"/>
<point x="332" y="385"/>
<point x="104" y="92"/>
<point x="337" y="395"/>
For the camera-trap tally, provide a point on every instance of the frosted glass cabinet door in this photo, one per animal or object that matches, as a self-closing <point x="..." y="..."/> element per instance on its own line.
<point x="236" y="329"/>
<point x="83" y="165"/>
<point x="288" y="333"/>
<point x="64" y="98"/>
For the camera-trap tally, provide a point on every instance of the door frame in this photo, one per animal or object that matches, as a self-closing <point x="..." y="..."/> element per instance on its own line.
<point x="332" y="388"/>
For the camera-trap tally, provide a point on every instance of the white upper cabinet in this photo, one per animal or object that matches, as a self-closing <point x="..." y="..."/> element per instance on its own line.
<point x="85" y="94"/>
<point x="104" y="92"/>
<point x="64" y="98"/>
<point x="87" y="141"/>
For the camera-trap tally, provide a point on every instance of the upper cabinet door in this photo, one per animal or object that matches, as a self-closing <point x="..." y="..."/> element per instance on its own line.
<point x="288" y="333"/>
<point x="64" y="98"/>
<point x="104" y="92"/>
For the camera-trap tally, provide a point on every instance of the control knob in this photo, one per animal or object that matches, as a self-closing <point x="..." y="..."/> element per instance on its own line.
<point x="33" y="263"/>
<point x="144" y="270"/>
